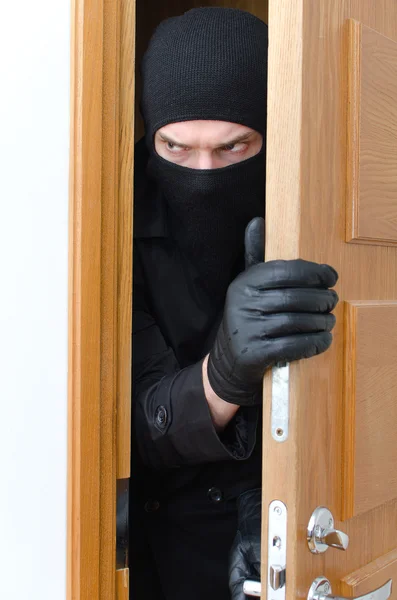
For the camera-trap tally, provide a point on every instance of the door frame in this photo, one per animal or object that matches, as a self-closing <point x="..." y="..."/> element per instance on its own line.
<point x="100" y="290"/>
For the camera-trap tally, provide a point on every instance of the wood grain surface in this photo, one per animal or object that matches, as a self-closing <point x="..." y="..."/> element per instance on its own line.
<point x="124" y="234"/>
<point x="372" y="576"/>
<point x="307" y="164"/>
<point x="370" y="367"/>
<point x="84" y="385"/>
<point x="283" y="139"/>
<point x="353" y="128"/>
<point x="99" y="291"/>
<point x="109" y="296"/>
<point x="372" y="127"/>
<point x="122" y="584"/>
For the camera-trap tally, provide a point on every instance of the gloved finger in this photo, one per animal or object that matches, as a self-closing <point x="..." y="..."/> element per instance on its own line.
<point x="238" y="569"/>
<point x="289" y="274"/>
<point x="245" y="555"/>
<point x="254" y="242"/>
<point x="300" y="300"/>
<point x="236" y="583"/>
<point x="283" y="324"/>
<point x="296" y="347"/>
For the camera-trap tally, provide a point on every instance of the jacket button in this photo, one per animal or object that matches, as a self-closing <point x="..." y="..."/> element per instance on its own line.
<point x="215" y="495"/>
<point x="151" y="506"/>
<point x="161" y="417"/>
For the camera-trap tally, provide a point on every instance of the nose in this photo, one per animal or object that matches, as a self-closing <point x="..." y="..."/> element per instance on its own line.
<point x="206" y="160"/>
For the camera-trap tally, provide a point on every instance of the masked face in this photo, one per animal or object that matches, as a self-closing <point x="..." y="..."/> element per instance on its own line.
<point x="204" y="84"/>
<point x="211" y="202"/>
<point x="207" y="144"/>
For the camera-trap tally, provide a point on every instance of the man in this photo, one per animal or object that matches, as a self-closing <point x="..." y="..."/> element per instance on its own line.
<point x="205" y="328"/>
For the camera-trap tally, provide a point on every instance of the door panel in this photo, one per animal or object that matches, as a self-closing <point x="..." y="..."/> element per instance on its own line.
<point x="331" y="170"/>
<point x="372" y="126"/>
<point x="371" y="576"/>
<point x="370" y="449"/>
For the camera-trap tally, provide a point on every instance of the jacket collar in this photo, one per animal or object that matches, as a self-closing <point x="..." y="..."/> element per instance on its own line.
<point x="150" y="214"/>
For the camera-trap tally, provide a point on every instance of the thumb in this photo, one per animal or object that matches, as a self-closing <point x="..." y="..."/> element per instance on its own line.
<point x="254" y="242"/>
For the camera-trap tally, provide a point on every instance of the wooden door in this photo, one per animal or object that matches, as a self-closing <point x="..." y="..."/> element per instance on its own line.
<point x="332" y="197"/>
<point x="100" y="290"/>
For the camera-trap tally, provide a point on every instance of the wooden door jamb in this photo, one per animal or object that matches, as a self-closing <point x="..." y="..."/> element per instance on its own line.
<point x="100" y="284"/>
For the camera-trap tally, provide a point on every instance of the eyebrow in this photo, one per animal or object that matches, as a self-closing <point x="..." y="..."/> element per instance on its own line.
<point x="243" y="137"/>
<point x="240" y="138"/>
<point x="165" y="138"/>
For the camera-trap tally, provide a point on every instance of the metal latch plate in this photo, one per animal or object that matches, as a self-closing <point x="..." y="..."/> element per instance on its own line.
<point x="280" y="402"/>
<point x="277" y="551"/>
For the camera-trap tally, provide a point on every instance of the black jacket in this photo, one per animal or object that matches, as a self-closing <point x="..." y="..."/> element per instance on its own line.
<point x="185" y="477"/>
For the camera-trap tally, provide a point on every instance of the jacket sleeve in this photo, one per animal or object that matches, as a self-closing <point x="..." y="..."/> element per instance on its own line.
<point x="171" y="418"/>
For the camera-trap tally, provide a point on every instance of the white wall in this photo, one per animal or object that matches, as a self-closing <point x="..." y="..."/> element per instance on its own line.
<point x="34" y="146"/>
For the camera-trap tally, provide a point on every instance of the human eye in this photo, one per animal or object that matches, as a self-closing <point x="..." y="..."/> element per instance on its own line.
<point x="238" y="148"/>
<point x="174" y="148"/>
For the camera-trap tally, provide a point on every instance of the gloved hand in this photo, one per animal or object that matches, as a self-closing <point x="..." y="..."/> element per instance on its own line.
<point x="277" y="311"/>
<point x="245" y="555"/>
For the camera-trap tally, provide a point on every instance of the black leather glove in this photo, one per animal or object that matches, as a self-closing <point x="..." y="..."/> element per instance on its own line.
<point x="276" y="311"/>
<point x="245" y="555"/>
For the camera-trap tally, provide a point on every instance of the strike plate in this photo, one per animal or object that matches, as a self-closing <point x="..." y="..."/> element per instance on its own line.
<point x="280" y="402"/>
<point x="277" y="550"/>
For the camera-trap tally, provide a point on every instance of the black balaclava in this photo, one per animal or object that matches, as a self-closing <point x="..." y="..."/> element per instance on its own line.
<point x="210" y="63"/>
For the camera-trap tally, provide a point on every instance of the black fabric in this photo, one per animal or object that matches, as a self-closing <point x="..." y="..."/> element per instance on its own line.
<point x="209" y="211"/>
<point x="210" y="63"/>
<point x="180" y="532"/>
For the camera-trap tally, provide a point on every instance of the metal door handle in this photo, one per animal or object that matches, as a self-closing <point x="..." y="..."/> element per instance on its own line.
<point x="334" y="538"/>
<point x="321" y="590"/>
<point x="321" y="533"/>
